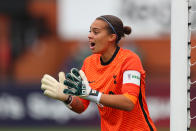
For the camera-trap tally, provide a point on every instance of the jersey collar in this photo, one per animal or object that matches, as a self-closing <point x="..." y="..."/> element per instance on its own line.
<point x="110" y="60"/>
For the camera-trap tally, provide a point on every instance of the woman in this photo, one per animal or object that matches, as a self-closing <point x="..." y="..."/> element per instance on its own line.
<point x="116" y="80"/>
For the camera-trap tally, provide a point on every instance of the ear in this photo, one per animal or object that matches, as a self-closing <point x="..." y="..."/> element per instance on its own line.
<point x="112" y="38"/>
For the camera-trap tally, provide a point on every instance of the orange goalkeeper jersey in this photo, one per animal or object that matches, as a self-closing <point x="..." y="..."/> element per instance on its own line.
<point x="108" y="79"/>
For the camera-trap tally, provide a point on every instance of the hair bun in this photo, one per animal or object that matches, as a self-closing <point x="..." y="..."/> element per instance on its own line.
<point x="127" y="30"/>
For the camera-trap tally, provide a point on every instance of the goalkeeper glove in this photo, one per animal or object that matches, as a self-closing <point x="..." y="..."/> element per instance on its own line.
<point x="79" y="86"/>
<point x="54" y="89"/>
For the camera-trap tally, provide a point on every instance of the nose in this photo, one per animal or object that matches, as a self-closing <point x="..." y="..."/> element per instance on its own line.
<point x="90" y="35"/>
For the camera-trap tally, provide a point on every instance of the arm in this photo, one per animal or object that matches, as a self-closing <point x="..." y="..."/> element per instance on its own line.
<point x="117" y="101"/>
<point x="79" y="86"/>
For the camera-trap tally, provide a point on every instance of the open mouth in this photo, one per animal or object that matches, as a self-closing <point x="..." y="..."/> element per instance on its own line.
<point x="92" y="44"/>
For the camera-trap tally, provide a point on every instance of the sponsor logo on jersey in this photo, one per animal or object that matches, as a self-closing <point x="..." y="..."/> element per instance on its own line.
<point x="131" y="76"/>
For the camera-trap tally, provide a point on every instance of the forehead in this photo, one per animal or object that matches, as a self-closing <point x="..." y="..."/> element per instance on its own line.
<point x="98" y="24"/>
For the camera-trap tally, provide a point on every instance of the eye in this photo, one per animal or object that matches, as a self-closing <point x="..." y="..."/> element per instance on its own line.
<point x="95" y="32"/>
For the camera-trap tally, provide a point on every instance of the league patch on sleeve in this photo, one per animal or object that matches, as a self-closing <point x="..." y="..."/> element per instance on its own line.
<point x="131" y="76"/>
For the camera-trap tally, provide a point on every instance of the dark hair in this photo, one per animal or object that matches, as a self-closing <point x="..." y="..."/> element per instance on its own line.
<point x="115" y="26"/>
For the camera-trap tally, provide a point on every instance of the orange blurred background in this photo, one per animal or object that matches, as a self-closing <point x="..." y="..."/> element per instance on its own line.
<point x="48" y="52"/>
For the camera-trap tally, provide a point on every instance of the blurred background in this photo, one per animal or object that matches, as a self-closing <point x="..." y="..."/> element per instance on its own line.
<point x="40" y="37"/>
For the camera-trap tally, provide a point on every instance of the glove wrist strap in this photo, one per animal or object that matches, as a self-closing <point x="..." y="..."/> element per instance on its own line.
<point x="68" y="101"/>
<point x="94" y="96"/>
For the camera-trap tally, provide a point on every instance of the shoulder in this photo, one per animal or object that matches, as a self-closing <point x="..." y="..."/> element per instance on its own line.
<point x="89" y="61"/>
<point x="92" y="57"/>
<point x="129" y="55"/>
<point x="131" y="60"/>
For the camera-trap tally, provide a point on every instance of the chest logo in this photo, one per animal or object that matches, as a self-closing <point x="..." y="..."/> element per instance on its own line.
<point x="114" y="76"/>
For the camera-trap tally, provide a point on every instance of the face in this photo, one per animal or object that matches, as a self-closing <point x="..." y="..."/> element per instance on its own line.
<point x="99" y="38"/>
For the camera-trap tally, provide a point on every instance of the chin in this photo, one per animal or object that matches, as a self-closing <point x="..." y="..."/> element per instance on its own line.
<point x="95" y="52"/>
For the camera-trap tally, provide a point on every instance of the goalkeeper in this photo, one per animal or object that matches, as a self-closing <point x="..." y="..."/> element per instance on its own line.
<point x="112" y="77"/>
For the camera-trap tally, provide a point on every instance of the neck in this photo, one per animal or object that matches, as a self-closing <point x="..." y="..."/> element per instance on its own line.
<point x="108" y="54"/>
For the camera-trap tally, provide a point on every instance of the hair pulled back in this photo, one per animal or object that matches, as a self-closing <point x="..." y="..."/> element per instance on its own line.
<point x="115" y="26"/>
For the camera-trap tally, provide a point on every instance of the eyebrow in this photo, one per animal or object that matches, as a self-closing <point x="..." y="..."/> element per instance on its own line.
<point x="95" y="28"/>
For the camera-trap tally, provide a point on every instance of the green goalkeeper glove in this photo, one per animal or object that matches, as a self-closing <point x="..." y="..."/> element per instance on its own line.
<point x="79" y="86"/>
<point x="54" y="89"/>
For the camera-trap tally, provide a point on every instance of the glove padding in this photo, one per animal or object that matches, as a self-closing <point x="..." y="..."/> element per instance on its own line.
<point x="54" y="89"/>
<point x="78" y="85"/>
